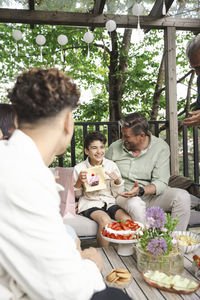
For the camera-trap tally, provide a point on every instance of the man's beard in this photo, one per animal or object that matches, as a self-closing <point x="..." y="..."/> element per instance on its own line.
<point x="130" y="146"/>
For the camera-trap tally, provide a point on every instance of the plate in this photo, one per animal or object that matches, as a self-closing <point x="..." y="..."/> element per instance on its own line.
<point x="187" y="249"/>
<point x="119" y="241"/>
<point x="123" y="285"/>
<point x="174" y="289"/>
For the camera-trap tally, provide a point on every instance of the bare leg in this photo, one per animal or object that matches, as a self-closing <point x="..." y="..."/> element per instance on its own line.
<point x="102" y="218"/>
<point x="122" y="215"/>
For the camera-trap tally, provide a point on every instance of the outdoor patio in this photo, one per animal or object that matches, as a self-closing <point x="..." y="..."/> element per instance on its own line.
<point x="167" y="15"/>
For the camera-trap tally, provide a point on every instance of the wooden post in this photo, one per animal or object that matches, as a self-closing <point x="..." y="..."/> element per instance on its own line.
<point x="171" y="96"/>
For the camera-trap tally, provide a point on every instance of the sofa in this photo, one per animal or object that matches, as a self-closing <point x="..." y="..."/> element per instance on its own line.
<point x="86" y="228"/>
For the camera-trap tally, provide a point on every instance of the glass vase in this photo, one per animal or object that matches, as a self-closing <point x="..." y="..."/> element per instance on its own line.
<point x="170" y="264"/>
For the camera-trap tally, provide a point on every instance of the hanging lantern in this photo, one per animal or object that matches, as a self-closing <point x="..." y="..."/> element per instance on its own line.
<point x="88" y="38"/>
<point x="164" y="8"/>
<point x="137" y="9"/>
<point x="17" y="35"/>
<point x="111" y="25"/>
<point x="40" y="40"/>
<point x="62" y="40"/>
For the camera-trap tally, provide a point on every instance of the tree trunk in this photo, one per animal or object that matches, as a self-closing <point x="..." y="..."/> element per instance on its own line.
<point x="157" y="93"/>
<point x="117" y="77"/>
<point x="187" y="105"/>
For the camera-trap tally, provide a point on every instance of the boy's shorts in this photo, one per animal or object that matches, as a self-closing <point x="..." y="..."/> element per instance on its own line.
<point x="111" y="211"/>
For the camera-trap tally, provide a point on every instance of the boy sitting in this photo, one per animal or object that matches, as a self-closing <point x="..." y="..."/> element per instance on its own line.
<point x="99" y="205"/>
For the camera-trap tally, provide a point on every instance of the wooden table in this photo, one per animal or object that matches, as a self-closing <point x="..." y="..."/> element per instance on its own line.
<point x="139" y="289"/>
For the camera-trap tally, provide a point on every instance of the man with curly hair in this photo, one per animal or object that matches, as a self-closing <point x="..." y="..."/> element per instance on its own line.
<point x="38" y="258"/>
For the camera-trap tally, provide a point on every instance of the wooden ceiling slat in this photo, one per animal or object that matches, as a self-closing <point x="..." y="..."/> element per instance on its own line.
<point x="87" y="19"/>
<point x="31" y="4"/>
<point x="157" y="8"/>
<point x="99" y="6"/>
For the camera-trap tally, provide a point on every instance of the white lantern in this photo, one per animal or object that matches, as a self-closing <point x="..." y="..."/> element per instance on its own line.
<point x="62" y="39"/>
<point x="111" y="25"/>
<point x="40" y="39"/>
<point x="17" y="35"/>
<point x="88" y="37"/>
<point x="137" y="9"/>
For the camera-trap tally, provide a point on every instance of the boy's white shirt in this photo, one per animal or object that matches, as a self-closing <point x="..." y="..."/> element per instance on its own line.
<point x="35" y="249"/>
<point x="98" y="198"/>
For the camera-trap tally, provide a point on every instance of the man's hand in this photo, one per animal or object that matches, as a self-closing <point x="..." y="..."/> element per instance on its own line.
<point x="82" y="177"/>
<point x="114" y="177"/>
<point x="133" y="192"/>
<point x="92" y="254"/>
<point x="194" y="120"/>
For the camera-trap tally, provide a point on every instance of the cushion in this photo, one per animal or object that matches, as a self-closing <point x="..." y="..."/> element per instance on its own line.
<point x="82" y="225"/>
<point x="65" y="178"/>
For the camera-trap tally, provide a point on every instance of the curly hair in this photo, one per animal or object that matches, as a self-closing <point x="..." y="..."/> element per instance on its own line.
<point x="7" y="117"/>
<point x="137" y="122"/>
<point x="94" y="136"/>
<point x="192" y="46"/>
<point x="42" y="93"/>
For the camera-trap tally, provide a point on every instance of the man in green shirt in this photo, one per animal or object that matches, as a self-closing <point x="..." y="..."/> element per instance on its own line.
<point x="143" y="161"/>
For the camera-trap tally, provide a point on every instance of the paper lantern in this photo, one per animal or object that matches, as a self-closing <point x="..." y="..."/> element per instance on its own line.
<point x="88" y="37"/>
<point x="17" y="35"/>
<point x="40" y="39"/>
<point x="111" y="25"/>
<point x="137" y="9"/>
<point x="62" y="39"/>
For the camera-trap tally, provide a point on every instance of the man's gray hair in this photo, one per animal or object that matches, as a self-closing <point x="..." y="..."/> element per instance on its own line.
<point x="193" y="46"/>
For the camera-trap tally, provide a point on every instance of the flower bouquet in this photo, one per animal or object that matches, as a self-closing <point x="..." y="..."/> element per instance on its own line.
<point x="157" y="249"/>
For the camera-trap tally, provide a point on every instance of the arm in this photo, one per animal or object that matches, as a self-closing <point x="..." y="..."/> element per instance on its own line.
<point x="161" y="171"/>
<point x="194" y="120"/>
<point x="79" y="179"/>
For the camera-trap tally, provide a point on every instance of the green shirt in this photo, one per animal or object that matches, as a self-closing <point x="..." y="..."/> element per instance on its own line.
<point x="150" y="167"/>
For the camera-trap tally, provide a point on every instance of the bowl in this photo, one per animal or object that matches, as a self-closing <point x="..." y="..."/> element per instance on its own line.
<point x="185" y="239"/>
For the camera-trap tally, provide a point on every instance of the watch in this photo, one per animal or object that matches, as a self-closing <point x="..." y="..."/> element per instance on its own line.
<point x="141" y="191"/>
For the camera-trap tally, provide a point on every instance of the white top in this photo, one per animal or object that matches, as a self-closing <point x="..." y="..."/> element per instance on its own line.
<point x="98" y="198"/>
<point x="35" y="248"/>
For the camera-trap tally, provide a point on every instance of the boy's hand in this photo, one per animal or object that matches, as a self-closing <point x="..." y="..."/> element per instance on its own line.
<point x="114" y="177"/>
<point x="82" y="177"/>
<point x="133" y="192"/>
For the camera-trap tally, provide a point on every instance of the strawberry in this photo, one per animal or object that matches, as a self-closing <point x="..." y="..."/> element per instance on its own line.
<point x="196" y="259"/>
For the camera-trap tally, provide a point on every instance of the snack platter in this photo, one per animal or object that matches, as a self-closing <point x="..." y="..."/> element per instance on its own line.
<point x="188" y="241"/>
<point x="119" y="278"/>
<point x="172" y="287"/>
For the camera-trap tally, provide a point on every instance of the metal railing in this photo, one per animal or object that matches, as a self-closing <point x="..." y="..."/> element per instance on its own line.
<point x="188" y="142"/>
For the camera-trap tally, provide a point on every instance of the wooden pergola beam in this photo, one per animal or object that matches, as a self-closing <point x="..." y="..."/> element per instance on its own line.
<point x="87" y="19"/>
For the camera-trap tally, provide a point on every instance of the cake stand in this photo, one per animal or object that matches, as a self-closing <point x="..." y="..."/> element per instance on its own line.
<point x="125" y="247"/>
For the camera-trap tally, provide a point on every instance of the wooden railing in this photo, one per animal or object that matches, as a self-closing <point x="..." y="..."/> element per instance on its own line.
<point x="188" y="142"/>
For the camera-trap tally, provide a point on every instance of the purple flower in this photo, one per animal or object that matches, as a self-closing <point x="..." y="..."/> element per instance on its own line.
<point x="158" y="215"/>
<point x="157" y="246"/>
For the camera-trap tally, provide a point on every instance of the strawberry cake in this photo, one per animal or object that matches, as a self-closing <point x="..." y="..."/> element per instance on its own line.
<point x="123" y="230"/>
